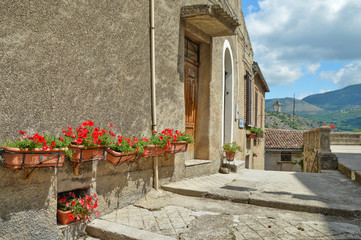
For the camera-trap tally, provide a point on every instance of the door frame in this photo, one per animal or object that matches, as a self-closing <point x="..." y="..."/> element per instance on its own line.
<point x="227" y="46"/>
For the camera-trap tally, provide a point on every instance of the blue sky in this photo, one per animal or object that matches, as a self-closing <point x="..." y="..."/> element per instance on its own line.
<point x="305" y="47"/>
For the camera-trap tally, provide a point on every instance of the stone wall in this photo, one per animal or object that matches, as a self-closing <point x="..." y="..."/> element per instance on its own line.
<point x="317" y="150"/>
<point x="28" y="207"/>
<point x="345" y="138"/>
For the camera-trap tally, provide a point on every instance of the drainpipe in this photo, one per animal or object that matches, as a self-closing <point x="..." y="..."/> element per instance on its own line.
<point x="152" y="62"/>
<point x="154" y="109"/>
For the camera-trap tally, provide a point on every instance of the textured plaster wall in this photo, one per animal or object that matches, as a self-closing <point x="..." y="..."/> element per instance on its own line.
<point x="65" y="62"/>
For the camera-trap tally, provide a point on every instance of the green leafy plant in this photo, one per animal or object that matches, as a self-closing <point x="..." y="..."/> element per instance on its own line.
<point x="79" y="202"/>
<point x="257" y="131"/>
<point x="232" y="147"/>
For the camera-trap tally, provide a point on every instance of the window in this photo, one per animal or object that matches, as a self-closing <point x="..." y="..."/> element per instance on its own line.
<point x="248" y="80"/>
<point x="286" y="157"/>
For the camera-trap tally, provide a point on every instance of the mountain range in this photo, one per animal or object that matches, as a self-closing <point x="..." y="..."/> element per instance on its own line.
<point x="341" y="107"/>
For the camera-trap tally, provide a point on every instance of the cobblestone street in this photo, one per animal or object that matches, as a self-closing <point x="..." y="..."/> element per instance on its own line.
<point x="185" y="217"/>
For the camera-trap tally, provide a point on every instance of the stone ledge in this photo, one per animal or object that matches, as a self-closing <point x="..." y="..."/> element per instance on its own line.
<point x="353" y="175"/>
<point x="109" y="230"/>
<point x="196" y="162"/>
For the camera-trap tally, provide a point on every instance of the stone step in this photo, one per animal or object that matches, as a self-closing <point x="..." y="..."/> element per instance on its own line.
<point x="107" y="230"/>
<point x="197" y="167"/>
<point x="235" y="165"/>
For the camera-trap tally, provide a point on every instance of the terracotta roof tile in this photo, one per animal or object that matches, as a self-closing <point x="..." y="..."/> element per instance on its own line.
<point x="283" y="139"/>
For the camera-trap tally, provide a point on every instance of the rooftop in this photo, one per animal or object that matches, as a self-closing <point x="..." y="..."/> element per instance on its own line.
<point x="283" y="139"/>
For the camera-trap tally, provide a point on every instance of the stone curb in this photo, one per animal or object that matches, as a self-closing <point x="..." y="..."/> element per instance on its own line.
<point x="354" y="175"/>
<point x="110" y="230"/>
<point x="259" y="200"/>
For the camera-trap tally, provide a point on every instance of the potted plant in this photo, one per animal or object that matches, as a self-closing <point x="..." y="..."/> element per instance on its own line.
<point x="254" y="154"/>
<point x="76" y="205"/>
<point x="35" y="151"/>
<point x="179" y="140"/>
<point x="156" y="145"/>
<point x="88" y="142"/>
<point x="124" y="150"/>
<point x="255" y="132"/>
<point x="230" y="149"/>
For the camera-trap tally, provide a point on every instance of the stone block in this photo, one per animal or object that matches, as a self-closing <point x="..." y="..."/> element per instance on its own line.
<point x="329" y="161"/>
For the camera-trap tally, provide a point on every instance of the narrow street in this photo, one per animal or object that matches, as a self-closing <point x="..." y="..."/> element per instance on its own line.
<point x="183" y="217"/>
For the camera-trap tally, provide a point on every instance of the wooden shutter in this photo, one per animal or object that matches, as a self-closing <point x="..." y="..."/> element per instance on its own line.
<point x="256" y="107"/>
<point x="262" y="115"/>
<point x="248" y="80"/>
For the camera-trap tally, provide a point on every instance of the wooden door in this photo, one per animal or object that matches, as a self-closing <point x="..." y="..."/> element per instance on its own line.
<point x="191" y="96"/>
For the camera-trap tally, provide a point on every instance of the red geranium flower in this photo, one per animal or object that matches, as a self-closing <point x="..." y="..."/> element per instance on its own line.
<point x="22" y="132"/>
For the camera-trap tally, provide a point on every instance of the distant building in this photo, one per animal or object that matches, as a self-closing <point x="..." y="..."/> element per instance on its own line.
<point x="283" y="148"/>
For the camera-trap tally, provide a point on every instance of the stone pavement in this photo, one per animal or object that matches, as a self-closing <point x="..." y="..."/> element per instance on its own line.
<point x="329" y="192"/>
<point x="183" y="217"/>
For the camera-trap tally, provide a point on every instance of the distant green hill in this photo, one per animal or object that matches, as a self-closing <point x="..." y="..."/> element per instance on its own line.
<point x="287" y="106"/>
<point x="287" y="121"/>
<point x="341" y="107"/>
<point x="348" y="98"/>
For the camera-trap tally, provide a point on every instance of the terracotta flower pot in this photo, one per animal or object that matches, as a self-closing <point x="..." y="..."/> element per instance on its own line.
<point x="252" y="135"/>
<point x="23" y="158"/>
<point x="177" y="147"/>
<point x="83" y="154"/>
<point x="64" y="217"/>
<point x="115" y="157"/>
<point x="153" y="151"/>
<point x="230" y="155"/>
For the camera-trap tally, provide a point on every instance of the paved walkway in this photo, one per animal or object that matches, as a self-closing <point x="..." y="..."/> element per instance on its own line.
<point x="182" y="217"/>
<point x="307" y="192"/>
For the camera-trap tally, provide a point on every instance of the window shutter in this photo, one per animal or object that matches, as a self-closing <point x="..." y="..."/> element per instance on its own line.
<point x="262" y="115"/>
<point x="248" y="84"/>
<point x="256" y="107"/>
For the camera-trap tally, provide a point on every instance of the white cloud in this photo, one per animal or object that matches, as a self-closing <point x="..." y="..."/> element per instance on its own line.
<point x="303" y="95"/>
<point x="291" y="38"/>
<point x="313" y="68"/>
<point x="324" y="91"/>
<point x="348" y="75"/>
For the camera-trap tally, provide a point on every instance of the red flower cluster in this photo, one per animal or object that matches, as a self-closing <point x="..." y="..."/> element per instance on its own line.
<point x="38" y="141"/>
<point x="332" y="126"/>
<point x="173" y="134"/>
<point x="81" y="206"/>
<point x="89" y="135"/>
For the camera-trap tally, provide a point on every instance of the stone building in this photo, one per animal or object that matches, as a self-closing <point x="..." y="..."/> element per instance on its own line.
<point x="65" y="62"/>
<point x="283" y="149"/>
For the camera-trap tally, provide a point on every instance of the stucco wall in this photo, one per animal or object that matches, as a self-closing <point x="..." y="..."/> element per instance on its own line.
<point x="273" y="162"/>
